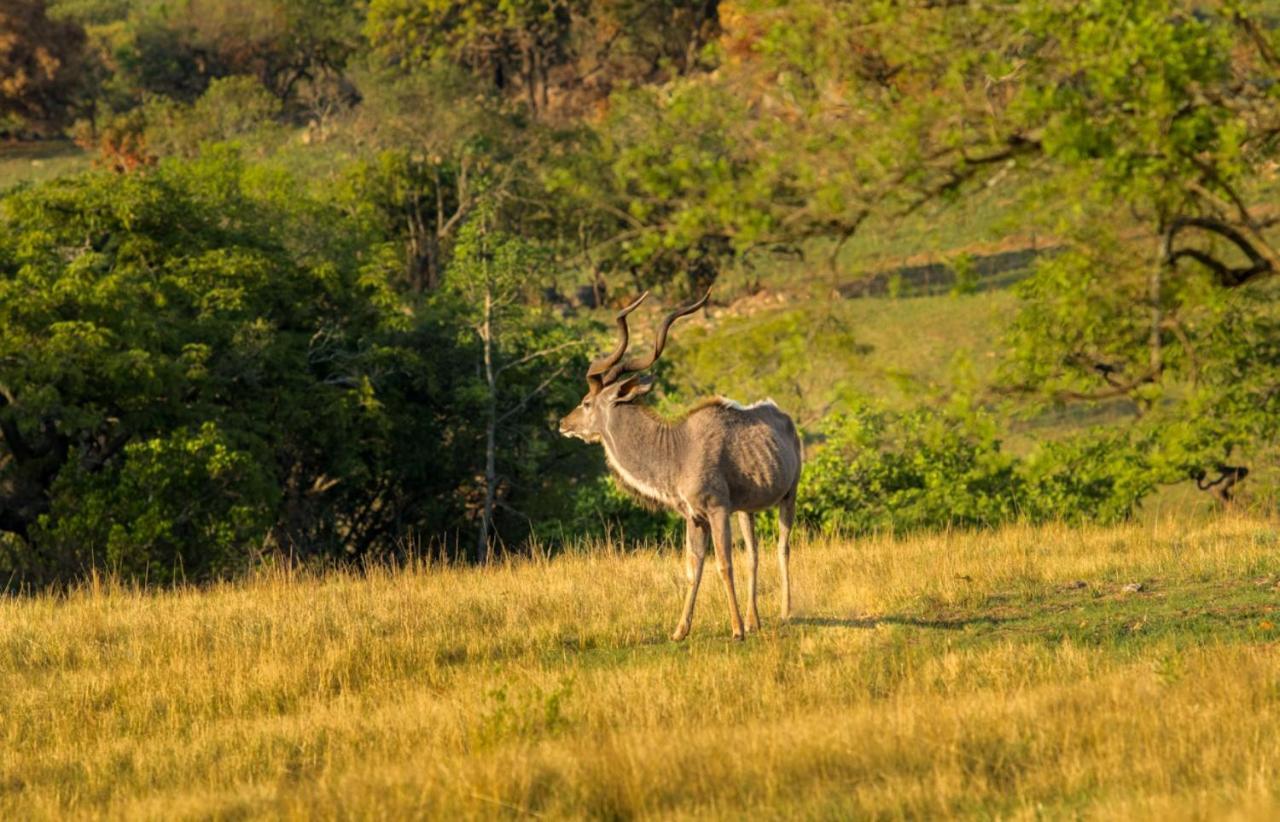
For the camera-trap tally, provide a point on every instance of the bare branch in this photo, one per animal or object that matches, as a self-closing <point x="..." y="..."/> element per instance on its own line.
<point x="92" y="462"/>
<point x="524" y="401"/>
<point x="1124" y="390"/>
<point x="1202" y="191"/>
<point x="506" y="506"/>
<point x="1111" y="374"/>
<point x="1016" y="145"/>
<point x="1173" y="325"/>
<point x="1227" y="276"/>
<point x="1228" y="476"/>
<point x="1260" y="42"/>
<point x="536" y="354"/>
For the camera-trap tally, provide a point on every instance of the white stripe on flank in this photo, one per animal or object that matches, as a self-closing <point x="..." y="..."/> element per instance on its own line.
<point x="638" y="485"/>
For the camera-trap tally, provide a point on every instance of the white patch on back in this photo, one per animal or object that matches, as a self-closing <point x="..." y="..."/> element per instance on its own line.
<point x="737" y="406"/>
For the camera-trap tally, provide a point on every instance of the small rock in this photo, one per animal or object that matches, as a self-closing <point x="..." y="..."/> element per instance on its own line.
<point x="1132" y="588"/>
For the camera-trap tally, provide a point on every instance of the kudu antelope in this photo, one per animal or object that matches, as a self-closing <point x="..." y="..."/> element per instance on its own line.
<point x="718" y="459"/>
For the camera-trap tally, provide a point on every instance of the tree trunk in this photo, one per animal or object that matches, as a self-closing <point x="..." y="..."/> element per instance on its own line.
<point x="1155" y="342"/>
<point x="484" y="542"/>
<point x="544" y="78"/>
<point x="432" y="273"/>
<point x="417" y="255"/>
<point x="529" y="73"/>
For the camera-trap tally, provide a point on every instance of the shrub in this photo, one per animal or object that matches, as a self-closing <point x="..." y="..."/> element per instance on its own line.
<point x="231" y="107"/>
<point x="1097" y="476"/>
<point x="201" y="361"/>
<point x="601" y="508"/>
<point x="879" y="470"/>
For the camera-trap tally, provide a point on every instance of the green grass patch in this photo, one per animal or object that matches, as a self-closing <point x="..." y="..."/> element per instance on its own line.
<point x="35" y="162"/>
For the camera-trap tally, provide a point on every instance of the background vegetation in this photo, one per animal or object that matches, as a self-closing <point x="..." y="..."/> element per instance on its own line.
<point x="314" y="280"/>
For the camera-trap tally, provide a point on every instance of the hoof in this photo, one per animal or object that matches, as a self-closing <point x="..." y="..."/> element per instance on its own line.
<point x="679" y="634"/>
<point x="753" y="626"/>
<point x="737" y="636"/>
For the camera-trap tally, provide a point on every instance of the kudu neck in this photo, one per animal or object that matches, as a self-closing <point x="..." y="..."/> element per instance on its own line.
<point x="642" y="446"/>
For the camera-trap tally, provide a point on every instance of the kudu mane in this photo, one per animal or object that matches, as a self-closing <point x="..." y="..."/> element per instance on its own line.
<point x="704" y="404"/>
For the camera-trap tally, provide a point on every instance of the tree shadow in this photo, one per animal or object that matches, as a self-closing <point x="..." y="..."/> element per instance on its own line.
<point x="941" y="623"/>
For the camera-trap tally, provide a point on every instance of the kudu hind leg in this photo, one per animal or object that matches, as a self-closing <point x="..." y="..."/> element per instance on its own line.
<point x="722" y="535"/>
<point x="786" y="516"/>
<point x="695" y="553"/>
<point x="747" y="524"/>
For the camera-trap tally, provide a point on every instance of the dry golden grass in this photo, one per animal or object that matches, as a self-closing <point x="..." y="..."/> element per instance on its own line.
<point x="968" y="674"/>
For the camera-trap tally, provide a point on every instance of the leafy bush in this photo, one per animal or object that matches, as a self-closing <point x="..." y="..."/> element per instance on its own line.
<point x="601" y="508"/>
<point x="231" y="107"/>
<point x="185" y="501"/>
<point x="879" y="470"/>
<point x="1098" y="476"/>
<point x="200" y="362"/>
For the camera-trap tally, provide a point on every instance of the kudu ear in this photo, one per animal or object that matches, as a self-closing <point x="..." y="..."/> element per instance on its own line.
<point x="634" y="388"/>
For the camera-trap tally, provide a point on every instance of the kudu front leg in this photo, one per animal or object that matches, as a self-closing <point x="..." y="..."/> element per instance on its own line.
<point x="695" y="553"/>
<point x="747" y="523"/>
<point x="786" y="516"/>
<point x="722" y="534"/>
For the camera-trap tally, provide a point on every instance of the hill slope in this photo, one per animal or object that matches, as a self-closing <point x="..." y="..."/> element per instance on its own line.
<point x="1005" y="673"/>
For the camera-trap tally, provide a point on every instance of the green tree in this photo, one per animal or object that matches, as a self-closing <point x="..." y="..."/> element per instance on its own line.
<point x="432" y="138"/>
<point x="232" y="107"/>
<point x="152" y="60"/>
<point x="176" y="49"/>
<point x="42" y="68"/>
<point x="198" y="364"/>
<point x="513" y="42"/>
<point x="557" y="56"/>
<point x="818" y="115"/>
<point x="523" y="354"/>
<point x="1159" y="112"/>
<point x="1139" y="133"/>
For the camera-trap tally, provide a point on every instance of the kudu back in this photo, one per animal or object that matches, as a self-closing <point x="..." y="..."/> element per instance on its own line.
<point x="718" y="459"/>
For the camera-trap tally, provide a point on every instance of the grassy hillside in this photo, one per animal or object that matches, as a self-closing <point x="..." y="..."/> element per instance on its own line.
<point x="39" y="161"/>
<point x="990" y="674"/>
<point x="814" y="355"/>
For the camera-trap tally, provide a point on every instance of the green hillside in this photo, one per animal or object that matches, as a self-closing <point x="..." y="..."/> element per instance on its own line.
<point x="33" y="162"/>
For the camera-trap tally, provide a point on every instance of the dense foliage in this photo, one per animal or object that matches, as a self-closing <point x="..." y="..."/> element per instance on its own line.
<point x="200" y="367"/>
<point x="883" y="471"/>
<point x="333" y="285"/>
<point x="41" y="68"/>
